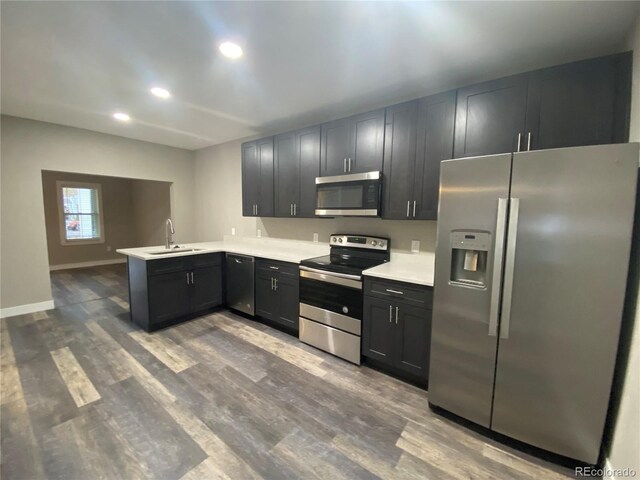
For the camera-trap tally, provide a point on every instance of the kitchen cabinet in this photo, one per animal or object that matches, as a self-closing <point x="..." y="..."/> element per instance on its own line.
<point x="297" y="164"/>
<point x="164" y="291"/>
<point x="257" y="178"/>
<point x="581" y="103"/>
<point x="353" y="145"/>
<point x="397" y="327"/>
<point x="418" y="136"/>
<point x="490" y="117"/>
<point x="277" y="293"/>
<point x="576" y="104"/>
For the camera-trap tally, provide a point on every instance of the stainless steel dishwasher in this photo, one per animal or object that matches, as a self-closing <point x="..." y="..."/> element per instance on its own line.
<point x="240" y="283"/>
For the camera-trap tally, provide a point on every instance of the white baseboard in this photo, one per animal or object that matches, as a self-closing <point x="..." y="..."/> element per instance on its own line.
<point x="24" y="309"/>
<point x="96" y="263"/>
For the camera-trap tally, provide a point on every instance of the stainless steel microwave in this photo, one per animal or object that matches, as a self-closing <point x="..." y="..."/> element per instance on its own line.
<point x="351" y="195"/>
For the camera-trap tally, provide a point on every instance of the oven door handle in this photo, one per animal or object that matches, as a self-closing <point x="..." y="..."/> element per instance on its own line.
<point x="333" y="274"/>
<point x="351" y="281"/>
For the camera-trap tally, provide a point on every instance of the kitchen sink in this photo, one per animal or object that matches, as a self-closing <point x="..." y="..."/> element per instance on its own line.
<point x="175" y="250"/>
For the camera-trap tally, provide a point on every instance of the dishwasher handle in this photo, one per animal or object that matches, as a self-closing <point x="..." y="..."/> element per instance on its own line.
<point x="240" y="258"/>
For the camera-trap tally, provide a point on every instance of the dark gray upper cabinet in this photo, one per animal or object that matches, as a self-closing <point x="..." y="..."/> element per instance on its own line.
<point x="418" y="136"/>
<point x="297" y="164"/>
<point x="490" y="117"/>
<point x="436" y="122"/>
<point x="257" y="178"/>
<point x="400" y="160"/>
<point x="581" y="103"/>
<point x="287" y="174"/>
<point x="353" y="144"/>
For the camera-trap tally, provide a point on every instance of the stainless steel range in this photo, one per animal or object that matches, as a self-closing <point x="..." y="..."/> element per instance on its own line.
<point x="331" y="293"/>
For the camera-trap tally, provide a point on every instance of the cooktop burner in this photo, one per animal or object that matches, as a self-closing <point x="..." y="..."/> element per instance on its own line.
<point x="351" y="254"/>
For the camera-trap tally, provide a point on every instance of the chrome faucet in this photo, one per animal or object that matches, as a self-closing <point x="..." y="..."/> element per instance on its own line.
<point x="169" y="231"/>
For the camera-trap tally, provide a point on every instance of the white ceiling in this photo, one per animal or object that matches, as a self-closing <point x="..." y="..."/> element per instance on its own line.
<point x="75" y="63"/>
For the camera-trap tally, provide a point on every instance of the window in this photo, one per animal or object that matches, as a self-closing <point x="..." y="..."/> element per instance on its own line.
<point x="80" y="206"/>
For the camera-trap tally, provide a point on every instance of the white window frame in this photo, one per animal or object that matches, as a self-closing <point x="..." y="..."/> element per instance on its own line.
<point x="60" y="184"/>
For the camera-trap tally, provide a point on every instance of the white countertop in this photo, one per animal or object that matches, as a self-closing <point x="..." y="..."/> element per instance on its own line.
<point x="273" y="249"/>
<point x="403" y="267"/>
<point x="415" y="268"/>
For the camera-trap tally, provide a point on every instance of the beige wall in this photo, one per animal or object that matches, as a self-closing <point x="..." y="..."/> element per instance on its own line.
<point x="117" y="216"/>
<point x="219" y="209"/>
<point x="624" y="450"/>
<point x="27" y="148"/>
<point x="151" y="203"/>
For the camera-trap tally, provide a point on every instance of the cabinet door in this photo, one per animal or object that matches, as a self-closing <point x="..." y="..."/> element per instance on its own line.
<point x="206" y="287"/>
<point x="413" y="340"/>
<point x="489" y="117"/>
<point x="288" y="294"/>
<point x="400" y="160"/>
<point x="368" y="142"/>
<point x="337" y="146"/>
<point x="436" y="118"/>
<point x="266" y="298"/>
<point x="250" y="178"/>
<point x="168" y="296"/>
<point x="378" y="330"/>
<point x="265" y="158"/>
<point x="572" y="105"/>
<point x="287" y="174"/>
<point x="308" y="150"/>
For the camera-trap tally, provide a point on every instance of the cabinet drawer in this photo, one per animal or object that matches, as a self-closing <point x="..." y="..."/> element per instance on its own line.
<point x="167" y="265"/>
<point x="205" y="260"/>
<point x="405" y="292"/>
<point x="284" y="268"/>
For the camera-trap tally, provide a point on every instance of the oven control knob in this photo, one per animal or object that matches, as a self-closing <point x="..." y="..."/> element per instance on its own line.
<point x="374" y="243"/>
<point x="381" y="243"/>
<point x="340" y="240"/>
<point x="345" y="310"/>
<point x="334" y="239"/>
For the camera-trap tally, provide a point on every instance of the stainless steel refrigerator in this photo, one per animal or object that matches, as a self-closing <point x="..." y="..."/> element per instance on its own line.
<point x="531" y="269"/>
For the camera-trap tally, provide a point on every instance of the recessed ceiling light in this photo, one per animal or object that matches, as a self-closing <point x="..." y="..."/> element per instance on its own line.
<point x="160" y="92"/>
<point x="231" y="50"/>
<point x="123" y="117"/>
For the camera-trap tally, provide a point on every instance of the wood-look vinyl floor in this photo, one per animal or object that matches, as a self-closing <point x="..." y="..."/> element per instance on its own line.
<point x="86" y="395"/>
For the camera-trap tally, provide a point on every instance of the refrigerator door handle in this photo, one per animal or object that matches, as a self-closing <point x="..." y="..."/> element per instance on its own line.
<point x="509" y="267"/>
<point x="498" y="254"/>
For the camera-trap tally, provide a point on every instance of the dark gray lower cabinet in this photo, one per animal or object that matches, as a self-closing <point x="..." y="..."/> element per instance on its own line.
<point x="396" y="330"/>
<point x="278" y="293"/>
<point x="164" y="291"/>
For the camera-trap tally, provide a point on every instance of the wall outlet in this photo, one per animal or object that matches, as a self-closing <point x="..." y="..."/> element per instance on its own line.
<point x="415" y="246"/>
<point x="108" y="248"/>
<point x="233" y="230"/>
<point x="315" y="237"/>
<point x="259" y="234"/>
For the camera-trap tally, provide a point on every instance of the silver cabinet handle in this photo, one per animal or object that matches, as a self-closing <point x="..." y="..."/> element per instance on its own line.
<point x="291" y="209"/>
<point x="256" y="208"/>
<point x="295" y="209"/>
<point x="345" y="165"/>
<point x="275" y="284"/>
<point x="192" y="283"/>
<point x="237" y="261"/>
<point x="414" y="208"/>
<point x="187" y="278"/>
<point x="349" y="165"/>
<point x="396" y="315"/>
<point x="498" y="251"/>
<point x="408" y="203"/>
<point x="529" y="142"/>
<point x="274" y="268"/>
<point x="390" y="313"/>
<point x="395" y="291"/>
<point x="519" y="135"/>
<point x="509" y="267"/>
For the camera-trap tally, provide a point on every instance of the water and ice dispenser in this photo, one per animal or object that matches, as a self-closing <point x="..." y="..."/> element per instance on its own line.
<point x="469" y="251"/>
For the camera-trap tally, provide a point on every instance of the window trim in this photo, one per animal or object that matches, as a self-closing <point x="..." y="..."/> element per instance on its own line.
<point x="60" y="184"/>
